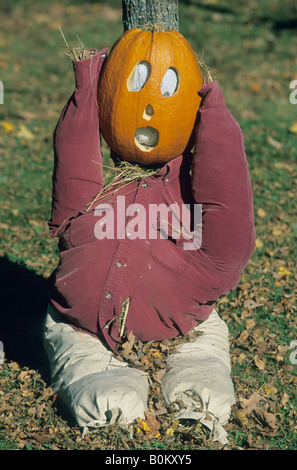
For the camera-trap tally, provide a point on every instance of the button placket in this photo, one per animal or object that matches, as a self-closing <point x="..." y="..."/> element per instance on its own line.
<point x="114" y="279"/>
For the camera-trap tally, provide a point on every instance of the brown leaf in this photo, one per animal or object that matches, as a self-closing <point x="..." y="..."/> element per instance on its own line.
<point x="259" y="363"/>
<point x="261" y="213"/>
<point x="250" y="304"/>
<point x="158" y="376"/>
<point x="267" y="418"/>
<point x="285" y="398"/>
<point x="250" y="403"/>
<point x="39" y="410"/>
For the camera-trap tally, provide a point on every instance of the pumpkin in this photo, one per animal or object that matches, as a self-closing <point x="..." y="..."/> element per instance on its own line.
<point x="148" y="96"/>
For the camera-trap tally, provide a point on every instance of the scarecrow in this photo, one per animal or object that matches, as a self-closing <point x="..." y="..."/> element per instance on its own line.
<point x="175" y="144"/>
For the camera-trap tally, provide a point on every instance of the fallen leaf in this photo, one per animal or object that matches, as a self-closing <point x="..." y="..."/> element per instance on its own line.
<point x="261" y="213"/>
<point x="267" y="418"/>
<point x="293" y="128"/>
<point x="268" y="389"/>
<point x="128" y="345"/>
<point x="259" y="243"/>
<point x="8" y="127"/>
<point x="285" y="398"/>
<point x="259" y="363"/>
<point x="39" y="410"/>
<point x="283" y="271"/>
<point x="149" y="426"/>
<point x="250" y="304"/>
<point x="158" y="376"/>
<point x="274" y="143"/>
<point x="249" y="404"/>
<point x="25" y="133"/>
<point x="240" y="415"/>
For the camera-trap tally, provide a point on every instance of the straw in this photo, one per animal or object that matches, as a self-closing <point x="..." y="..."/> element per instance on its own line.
<point x="80" y="52"/>
<point x="126" y="173"/>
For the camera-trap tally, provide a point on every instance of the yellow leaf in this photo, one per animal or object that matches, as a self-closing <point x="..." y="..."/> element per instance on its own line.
<point x="240" y="416"/>
<point x="283" y="271"/>
<point x="170" y="431"/>
<point x="144" y="426"/>
<point x="268" y="390"/>
<point x="259" y="243"/>
<point x="7" y="126"/>
<point x="293" y="128"/>
<point x="157" y="354"/>
<point x="24" y="133"/>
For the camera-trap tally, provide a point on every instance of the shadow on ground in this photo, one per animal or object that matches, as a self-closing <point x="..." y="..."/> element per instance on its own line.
<point x="24" y="297"/>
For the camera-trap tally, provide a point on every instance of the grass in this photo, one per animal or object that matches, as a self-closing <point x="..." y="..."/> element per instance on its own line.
<point x="249" y="47"/>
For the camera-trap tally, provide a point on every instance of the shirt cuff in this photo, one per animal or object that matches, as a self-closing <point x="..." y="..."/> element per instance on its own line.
<point x="87" y="70"/>
<point x="211" y="94"/>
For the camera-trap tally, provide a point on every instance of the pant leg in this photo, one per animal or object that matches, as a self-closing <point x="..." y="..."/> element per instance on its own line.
<point x="199" y="375"/>
<point x="93" y="386"/>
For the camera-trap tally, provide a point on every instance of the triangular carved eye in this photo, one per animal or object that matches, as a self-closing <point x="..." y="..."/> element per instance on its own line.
<point x="169" y="83"/>
<point x="139" y="76"/>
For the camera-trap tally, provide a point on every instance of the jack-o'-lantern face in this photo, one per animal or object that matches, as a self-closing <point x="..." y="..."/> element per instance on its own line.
<point x="148" y="96"/>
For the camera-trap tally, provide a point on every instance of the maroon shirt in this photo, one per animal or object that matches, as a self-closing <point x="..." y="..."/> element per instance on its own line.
<point x="170" y="288"/>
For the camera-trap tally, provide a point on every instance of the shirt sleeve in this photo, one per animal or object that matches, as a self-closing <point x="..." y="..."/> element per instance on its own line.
<point x="221" y="184"/>
<point x="77" y="175"/>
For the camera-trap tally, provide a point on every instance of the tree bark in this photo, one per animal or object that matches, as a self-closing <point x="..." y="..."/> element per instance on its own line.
<point x="139" y="13"/>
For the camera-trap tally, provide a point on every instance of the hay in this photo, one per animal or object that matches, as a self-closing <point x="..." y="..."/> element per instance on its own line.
<point x="125" y="173"/>
<point x="80" y="52"/>
<point x="209" y="73"/>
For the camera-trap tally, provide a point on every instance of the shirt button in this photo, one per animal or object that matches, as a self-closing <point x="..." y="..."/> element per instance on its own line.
<point x="129" y="234"/>
<point x="118" y="265"/>
<point x="144" y="185"/>
<point x="108" y="296"/>
<point x="167" y="180"/>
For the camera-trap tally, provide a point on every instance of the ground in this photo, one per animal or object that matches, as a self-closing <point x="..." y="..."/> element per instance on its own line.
<point x="249" y="47"/>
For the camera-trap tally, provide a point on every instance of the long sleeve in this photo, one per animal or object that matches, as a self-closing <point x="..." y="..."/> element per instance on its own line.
<point x="77" y="175"/>
<point x="221" y="183"/>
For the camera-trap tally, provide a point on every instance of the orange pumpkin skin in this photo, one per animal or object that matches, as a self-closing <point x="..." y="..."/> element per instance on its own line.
<point x="123" y="112"/>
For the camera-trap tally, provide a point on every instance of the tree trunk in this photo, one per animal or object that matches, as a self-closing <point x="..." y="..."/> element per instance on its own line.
<point x="139" y="13"/>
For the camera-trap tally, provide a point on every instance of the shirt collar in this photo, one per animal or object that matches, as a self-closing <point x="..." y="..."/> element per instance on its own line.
<point x="170" y="170"/>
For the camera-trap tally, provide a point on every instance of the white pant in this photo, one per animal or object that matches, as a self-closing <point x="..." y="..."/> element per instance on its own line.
<point x="98" y="389"/>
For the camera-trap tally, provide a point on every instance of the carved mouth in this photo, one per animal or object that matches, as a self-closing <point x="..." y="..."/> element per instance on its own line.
<point x="146" y="138"/>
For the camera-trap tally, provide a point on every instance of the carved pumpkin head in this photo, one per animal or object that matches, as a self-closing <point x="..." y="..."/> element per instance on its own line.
<point x="148" y="96"/>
